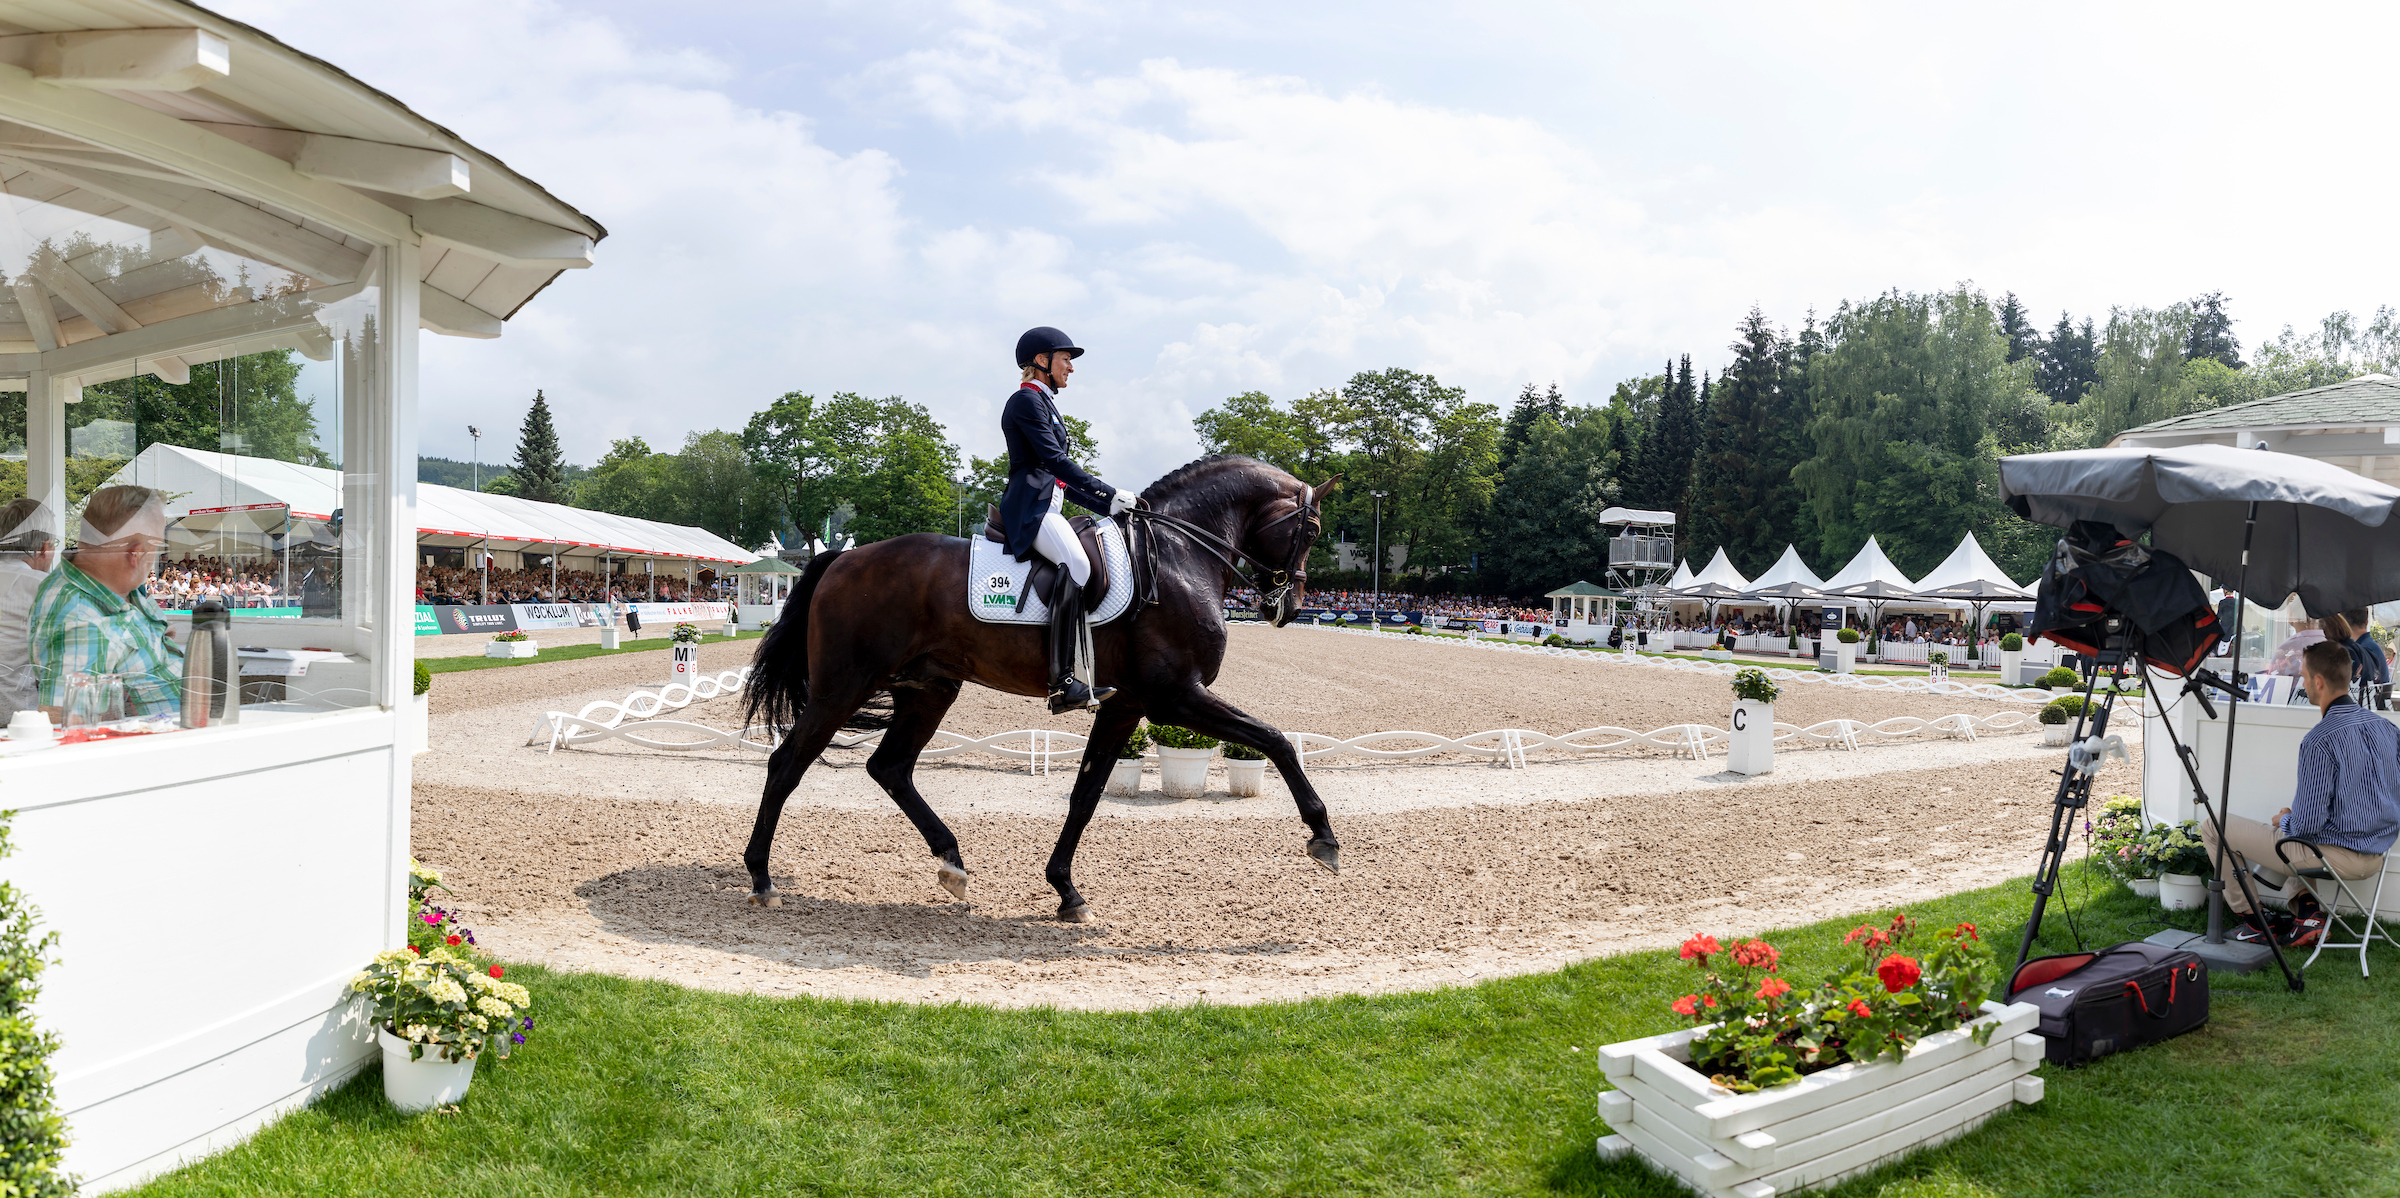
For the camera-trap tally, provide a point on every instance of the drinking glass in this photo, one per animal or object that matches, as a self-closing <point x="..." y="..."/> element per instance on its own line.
<point x="83" y="701"/>
<point x="111" y="705"/>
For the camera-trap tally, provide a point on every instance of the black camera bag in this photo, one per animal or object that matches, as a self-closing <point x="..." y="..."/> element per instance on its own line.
<point x="2121" y="997"/>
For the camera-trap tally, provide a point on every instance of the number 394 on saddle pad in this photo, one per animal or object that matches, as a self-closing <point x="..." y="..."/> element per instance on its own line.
<point x="996" y="581"/>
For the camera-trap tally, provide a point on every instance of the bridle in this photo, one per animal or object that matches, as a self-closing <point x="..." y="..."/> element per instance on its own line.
<point x="1273" y="587"/>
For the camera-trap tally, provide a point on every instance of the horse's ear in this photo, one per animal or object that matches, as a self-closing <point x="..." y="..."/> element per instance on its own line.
<point x="1326" y="488"/>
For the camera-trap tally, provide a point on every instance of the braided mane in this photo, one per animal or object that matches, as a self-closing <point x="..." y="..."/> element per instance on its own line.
<point x="1192" y="479"/>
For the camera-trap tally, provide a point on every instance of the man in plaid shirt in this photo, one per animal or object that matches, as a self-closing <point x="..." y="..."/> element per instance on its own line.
<point x="92" y="615"/>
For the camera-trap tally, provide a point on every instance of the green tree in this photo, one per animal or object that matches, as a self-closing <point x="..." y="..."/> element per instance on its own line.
<point x="539" y="467"/>
<point x="713" y="487"/>
<point x="248" y="405"/>
<point x="2211" y="334"/>
<point x="1663" y="465"/>
<point x="1252" y="425"/>
<point x="630" y="480"/>
<point x="801" y="449"/>
<point x="2141" y="370"/>
<point x="904" y="482"/>
<point x="2023" y="338"/>
<point x="1743" y="498"/>
<point x="1544" y="525"/>
<point x="2070" y="361"/>
<point x="1532" y="405"/>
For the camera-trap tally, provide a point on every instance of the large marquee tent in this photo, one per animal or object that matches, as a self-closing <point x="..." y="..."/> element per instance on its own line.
<point x="227" y="504"/>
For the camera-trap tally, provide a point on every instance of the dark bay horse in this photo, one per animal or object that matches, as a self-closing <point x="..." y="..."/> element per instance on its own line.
<point x="893" y="615"/>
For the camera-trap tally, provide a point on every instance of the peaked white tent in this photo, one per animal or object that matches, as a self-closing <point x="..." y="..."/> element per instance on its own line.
<point x="1968" y="567"/>
<point x="1787" y="569"/>
<point x="1682" y="577"/>
<point x="1720" y="571"/>
<point x="221" y="490"/>
<point x="1870" y="565"/>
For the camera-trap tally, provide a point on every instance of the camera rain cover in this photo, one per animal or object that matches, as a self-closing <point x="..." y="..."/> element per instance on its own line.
<point x="2098" y="572"/>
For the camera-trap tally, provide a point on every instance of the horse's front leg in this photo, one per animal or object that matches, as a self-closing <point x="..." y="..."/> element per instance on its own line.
<point x="1110" y="728"/>
<point x="1202" y="711"/>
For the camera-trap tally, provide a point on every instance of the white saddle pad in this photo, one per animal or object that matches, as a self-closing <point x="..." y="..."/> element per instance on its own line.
<point x="994" y="578"/>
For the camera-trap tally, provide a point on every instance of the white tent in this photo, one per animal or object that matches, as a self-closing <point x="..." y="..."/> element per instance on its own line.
<point x="1968" y="564"/>
<point x="206" y="488"/>
<point x="1788" y="568"/>
<point x="1682" y="577"/>
<point x="1720" y="570"/>
<point x="1870" y="565"/>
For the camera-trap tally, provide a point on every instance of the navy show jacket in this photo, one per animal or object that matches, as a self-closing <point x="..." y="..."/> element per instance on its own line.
<point x="1038" y="462"/>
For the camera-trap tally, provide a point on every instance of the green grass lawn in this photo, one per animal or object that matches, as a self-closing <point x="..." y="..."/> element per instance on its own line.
<point x="451" y="665"/>
<point x="643" y="1087"/>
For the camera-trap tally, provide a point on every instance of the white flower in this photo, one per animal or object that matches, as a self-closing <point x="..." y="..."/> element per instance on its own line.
<point x="512" y="994"/>
<point x="494" y="1008"/>
<point x="363" y="981"/>
<point x="445" y="990"/>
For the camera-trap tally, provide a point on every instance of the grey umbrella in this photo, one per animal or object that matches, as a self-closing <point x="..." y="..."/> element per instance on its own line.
<point x="1787" y="595"/>
<point x="2322" y="532"/>
<point x="1710" y="594"/>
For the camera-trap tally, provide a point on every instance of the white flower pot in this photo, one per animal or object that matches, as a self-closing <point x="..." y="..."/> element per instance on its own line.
<point x="608" y="636"/>
<point x="420" y="723"/>
<point x="422" y="1084"/>
<point x="1245" y="779"/>
<point x="1828" y="1125"/>
<point x="2055" y="735"/>
<point x="1125" y="778"/>
<point x="1717" y="654"/>
<point x="1183" y="773"/>
<point x="1752" y="748"/>
<point x="1845" y="656"/>
<point x="512" y="649"/>
<point x="2145" y="887"/>
<point x="2009" y="661"/>
<point x="2182" y="892"/>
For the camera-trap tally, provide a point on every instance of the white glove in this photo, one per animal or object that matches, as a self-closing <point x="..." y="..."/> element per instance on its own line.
<point x="1118" y="503"/>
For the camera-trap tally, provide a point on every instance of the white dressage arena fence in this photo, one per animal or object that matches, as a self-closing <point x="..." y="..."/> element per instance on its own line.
<point x="633" y="721"/>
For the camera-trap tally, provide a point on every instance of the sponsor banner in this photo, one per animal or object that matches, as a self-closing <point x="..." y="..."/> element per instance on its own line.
<point x="560" y="615"/>
<point x="426" y="624"/>
<point x="453" y="620"/>
<point x="680" y="611"/>
<point x="1463" y="625"/>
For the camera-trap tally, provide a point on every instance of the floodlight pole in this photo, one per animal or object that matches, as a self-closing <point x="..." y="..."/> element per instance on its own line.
<point x="475" y="458"/>
<point x="1375" y="605"/>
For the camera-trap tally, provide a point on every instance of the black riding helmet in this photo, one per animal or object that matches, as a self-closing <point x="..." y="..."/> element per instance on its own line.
<point x="1044" y="340"/>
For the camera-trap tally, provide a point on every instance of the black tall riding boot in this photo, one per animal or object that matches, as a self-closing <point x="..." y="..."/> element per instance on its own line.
<point x="1071" y="686"/>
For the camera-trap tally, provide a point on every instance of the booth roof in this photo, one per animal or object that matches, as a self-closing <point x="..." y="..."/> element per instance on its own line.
<point x="1580" y="589"/>
<point x="1640" y="516"/>
<point x="767" y="565"/>
<point x="1967" y="565"/>
<point x="203" y="482"/>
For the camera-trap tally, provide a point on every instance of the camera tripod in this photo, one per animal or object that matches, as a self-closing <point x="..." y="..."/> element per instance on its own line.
<point x="2119" y="651"/>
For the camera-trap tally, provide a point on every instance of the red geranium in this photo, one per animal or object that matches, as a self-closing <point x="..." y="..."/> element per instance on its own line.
<point x="1757" y="954"/>
<point x="1689" y="1004"/>
<point x="1898" y="972"/>
<point x="1858" y="1007"/>
<point x="1912" y="977"/>
<point x="1702" y="947"/>
<point x="1774" y="988"/>
<point x="1968" y="930"/>
<point x="454" y="941"/>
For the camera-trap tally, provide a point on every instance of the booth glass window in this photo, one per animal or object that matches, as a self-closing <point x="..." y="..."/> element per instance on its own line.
<point x="198" y="403"/>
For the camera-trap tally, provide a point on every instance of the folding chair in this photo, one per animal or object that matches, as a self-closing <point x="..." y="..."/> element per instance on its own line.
<point x="2372" y="930"/>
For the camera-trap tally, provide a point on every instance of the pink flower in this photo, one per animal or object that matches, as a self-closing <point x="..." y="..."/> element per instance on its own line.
<point x="435" y="920"/>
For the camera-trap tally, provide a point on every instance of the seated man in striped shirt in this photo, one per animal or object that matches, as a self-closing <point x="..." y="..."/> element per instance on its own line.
<point x="2346" y="801"/>
<point x="92" y="615"/>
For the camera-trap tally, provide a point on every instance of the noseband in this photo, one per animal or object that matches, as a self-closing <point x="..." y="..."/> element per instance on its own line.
<point x="1273" y="587"/>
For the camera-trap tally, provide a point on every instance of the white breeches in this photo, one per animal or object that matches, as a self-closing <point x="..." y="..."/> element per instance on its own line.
<point x="1055" y="541"/>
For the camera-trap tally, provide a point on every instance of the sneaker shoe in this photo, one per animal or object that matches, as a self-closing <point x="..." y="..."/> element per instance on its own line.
<point x="2253" y="930"/>
<point x="2305" y="932"/>
<point x="2304" y="905"/>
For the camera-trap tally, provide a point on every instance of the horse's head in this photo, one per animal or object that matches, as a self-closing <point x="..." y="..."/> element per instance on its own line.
<point x="1286" y="530"/>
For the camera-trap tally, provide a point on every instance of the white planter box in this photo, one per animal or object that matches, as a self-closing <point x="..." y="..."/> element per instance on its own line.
<point x="420" y="724"/>
<point x="1826" y="1126"/>
<point x="2055" y="735"/>
<point x="1752" y="747"/>
<point x="683" y="664"/>
<point x="1125" y="778"/>
<point x="2009" y="662"/>
<point x="1717" y="654"/>
<point x="512" y="649"/>
<point x="1845" y="656"/>
<point x="1183" y="773"/>
<point x="1245" y="779"/>
<point x="608" y="636"/>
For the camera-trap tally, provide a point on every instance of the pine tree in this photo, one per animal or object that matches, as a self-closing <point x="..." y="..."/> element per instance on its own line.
<point x="1743" y="498"/>
<point x="2023" y="338"/>
<point x="2212" y="332"/>
<point x="1531" y="406"/>
<point x="2070" y="360"/>
<point x="540" y="466"/>
<point x="1674" y="438"/>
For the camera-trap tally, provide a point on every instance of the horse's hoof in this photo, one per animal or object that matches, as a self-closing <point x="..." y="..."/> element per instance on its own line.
<point x="1326" y="853"/>
<point x="1074" y="913"/>
<point x="765" y="898"/>
<point x="954" y="880"/>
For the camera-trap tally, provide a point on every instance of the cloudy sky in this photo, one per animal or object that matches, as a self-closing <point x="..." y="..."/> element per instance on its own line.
<point x="878" y="197"/>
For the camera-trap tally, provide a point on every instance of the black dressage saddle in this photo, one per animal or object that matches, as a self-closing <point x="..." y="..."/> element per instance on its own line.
<point x="1045" y="574"/>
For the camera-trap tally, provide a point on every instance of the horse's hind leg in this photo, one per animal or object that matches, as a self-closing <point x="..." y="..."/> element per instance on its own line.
<point x="815" y="729"/>
<point x="917" y="712"/>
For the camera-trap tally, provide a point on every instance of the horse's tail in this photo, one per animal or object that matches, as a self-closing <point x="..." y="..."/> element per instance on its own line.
<point x="778" y="688"/>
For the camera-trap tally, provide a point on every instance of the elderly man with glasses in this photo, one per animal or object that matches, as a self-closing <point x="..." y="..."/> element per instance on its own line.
<point x="93" y="616"/>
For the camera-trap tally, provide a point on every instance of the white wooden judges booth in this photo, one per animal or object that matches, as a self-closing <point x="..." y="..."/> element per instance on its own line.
<point x="192" y="208"/>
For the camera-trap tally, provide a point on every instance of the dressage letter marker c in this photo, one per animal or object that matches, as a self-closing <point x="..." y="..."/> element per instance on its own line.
<point x="1740" y="719"/>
